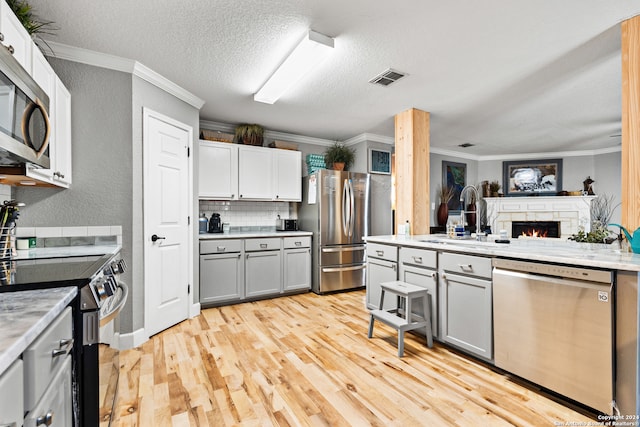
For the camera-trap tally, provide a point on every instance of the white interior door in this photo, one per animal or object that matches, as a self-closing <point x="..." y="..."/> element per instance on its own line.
<point x="166" y="221"/>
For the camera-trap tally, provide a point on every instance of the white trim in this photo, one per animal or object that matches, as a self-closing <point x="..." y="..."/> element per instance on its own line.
<point x="457" y="154"/>
<point x="117" y="63"/>
<point x="132" y="339"/>
<point x="194" y="310"/>
<point x="370" y="137"/>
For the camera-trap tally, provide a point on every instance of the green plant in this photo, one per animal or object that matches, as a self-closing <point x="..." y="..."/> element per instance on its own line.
<point x="494" y="186"/>
<point x="445" y="194"/>
<point x="339" y="153"/>
<point x="599" y="234"/>
<point x="250" y="134"/>
<point x="24" y="13"/>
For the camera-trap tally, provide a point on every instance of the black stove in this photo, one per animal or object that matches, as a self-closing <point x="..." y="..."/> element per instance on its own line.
<point x="101" y="295"/>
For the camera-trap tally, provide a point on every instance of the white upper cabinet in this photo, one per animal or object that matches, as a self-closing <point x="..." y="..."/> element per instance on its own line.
<point x="245" y="172"/>
<point x="287" y="169"/>
<point x="218" y="170"/>
<point x="15" y="37"/>
<point x="61" y="149"/>
<point x="255" y="173"/>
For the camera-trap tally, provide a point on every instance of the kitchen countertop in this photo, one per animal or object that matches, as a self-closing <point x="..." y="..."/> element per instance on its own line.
<point x="546" y="250"/>
<point x="253" y="234"/>
<point x="24" y="315"/>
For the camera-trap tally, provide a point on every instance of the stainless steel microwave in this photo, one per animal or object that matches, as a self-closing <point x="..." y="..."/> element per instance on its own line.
<point x="24" y="116"/>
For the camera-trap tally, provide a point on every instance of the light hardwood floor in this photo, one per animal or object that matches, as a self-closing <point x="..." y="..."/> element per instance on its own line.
<point x="305" y="360"/>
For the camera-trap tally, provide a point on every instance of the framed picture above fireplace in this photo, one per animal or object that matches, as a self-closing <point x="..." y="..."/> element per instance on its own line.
<point x="532" y="177"/>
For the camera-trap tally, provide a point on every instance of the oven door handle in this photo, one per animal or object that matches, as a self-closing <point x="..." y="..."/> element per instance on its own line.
<point x="113" y="312"/>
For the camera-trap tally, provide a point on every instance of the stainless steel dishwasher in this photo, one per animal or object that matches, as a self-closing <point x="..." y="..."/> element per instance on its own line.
<point x="553" y="325"/>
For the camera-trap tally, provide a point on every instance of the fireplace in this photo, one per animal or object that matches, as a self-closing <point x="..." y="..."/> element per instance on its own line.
<point x="535" y="229"/>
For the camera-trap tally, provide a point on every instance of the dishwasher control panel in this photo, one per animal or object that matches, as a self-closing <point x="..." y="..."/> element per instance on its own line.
<point x="578" y="273"/>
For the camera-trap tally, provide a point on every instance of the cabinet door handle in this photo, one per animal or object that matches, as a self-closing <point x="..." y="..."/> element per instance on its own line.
<point x="395" y="267"/>
<point x="417" y="259"/>
<point x="10" y="49"/>
<point x="433" y="275"/>
<point x="232" y="195"/>
<point x="1" y="37"/>
<point x="46" y="419"/>
<point x="298" y="243"/>
<point x="380" y="253"/>
<point x="221" y="248"/>
<point x="466" y="267"/>
<point x="263" y="246"/>
<point x="65" y="346"/>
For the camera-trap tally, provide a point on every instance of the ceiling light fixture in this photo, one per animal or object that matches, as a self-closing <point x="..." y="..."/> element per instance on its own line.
<point x="309" y="53"/>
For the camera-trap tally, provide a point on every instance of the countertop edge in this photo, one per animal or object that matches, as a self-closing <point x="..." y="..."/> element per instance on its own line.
<point x="62" y="296"/>
<point x="253" y="234"/>
<point x="585" y="257"/>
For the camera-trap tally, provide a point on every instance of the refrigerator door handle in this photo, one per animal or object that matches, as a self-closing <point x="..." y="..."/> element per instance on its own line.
<point x="348" y="249"/>
<point x="339" y="269"/>
<point x="351" y="215"/>
<point x="345" y="198"/>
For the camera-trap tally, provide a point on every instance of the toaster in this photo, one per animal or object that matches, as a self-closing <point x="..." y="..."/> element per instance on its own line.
<point x="286" y="224"/>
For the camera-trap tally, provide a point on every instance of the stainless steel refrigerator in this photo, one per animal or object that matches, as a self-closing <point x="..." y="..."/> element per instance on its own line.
<point x="335" y="208"/>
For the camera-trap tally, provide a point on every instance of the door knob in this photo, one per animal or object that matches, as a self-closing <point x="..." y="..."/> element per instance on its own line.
<point x="155" y="237"/>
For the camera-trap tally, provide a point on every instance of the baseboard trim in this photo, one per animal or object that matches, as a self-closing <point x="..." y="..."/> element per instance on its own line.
<point x="132" y="339"/>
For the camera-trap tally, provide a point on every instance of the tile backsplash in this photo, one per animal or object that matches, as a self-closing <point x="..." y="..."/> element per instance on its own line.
<point x="245" y="213"/>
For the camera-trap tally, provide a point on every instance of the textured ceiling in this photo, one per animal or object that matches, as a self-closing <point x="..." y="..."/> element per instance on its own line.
<point x="509" y="76"/>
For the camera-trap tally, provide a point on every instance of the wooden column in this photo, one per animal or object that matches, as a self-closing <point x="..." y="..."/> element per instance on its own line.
<point x="412" y="170"/>
<point x="630" y="194"/>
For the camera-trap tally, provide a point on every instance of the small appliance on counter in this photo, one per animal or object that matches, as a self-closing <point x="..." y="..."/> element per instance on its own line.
<point x="215" y="224"/>
<point x="203" y="223"/>
<point x="286" y="224"/>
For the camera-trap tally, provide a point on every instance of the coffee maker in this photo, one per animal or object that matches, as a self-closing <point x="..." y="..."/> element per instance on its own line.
<point x="215" y="224"/>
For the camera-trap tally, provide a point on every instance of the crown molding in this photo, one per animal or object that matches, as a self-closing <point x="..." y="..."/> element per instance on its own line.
<point x="275" y="135"/>
<point x="370" y="137"/>
<point x="117" y="63"/>
<point x="527" y="156"/>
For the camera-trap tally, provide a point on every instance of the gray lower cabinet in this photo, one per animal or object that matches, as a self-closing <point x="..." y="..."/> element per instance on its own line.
<point x="221" y="271"/>
<point x="263" y="267"/>
<point x="466" y="303"/>
<point x="382" y="266"/>
<point x="296" y="261"/>
<point x="419" y="267"/>
<point x="11" y="390"/>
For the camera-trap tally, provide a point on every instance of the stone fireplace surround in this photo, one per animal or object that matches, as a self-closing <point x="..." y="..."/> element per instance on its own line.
<point x="572" y="212"/>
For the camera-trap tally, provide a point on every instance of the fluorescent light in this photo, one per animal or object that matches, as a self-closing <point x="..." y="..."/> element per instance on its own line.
<point x="311" y="51"/>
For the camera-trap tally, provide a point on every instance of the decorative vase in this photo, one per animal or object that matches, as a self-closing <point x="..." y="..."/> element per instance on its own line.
<point x="485" y="189"/>
<point x="338" y="166"/>
<point x="471" y="214"/>
<point x="443" y="214"/>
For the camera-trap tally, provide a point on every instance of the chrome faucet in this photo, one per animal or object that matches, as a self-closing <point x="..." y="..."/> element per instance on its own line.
<point x="462" y="212"/>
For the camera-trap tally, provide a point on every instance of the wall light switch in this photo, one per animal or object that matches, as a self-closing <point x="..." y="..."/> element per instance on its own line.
<point x="433" y="206"/>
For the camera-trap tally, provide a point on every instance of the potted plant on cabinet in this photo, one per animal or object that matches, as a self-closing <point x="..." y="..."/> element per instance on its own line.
<point x="249" y="134"/>
<point x="339" y="156"/>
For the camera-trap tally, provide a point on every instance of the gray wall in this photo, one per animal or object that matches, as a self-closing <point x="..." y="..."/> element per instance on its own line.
<point x="101" y="192"/>
<point x="107" y="165"/>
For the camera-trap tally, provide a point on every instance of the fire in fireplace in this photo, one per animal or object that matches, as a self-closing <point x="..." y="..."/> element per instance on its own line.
<point x="535" y="229"/>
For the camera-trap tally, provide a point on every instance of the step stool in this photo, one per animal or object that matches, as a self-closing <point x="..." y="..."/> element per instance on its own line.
<point x="403" y="319"/>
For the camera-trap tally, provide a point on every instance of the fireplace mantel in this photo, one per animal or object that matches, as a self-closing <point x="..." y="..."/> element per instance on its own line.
<point x="573" y="212"/>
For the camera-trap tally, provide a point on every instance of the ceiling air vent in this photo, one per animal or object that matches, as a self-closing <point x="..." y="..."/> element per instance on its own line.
<point x="466" y="145"/>
<point x="387" y="77"/>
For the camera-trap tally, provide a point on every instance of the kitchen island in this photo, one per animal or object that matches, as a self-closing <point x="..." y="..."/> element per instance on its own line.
<point x="508" y="302"/>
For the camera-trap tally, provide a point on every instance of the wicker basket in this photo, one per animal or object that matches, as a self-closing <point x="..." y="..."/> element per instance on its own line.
<point x="212" y="135"/>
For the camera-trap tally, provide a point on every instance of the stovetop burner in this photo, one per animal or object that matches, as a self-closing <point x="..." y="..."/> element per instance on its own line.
<point x="23" y="274"/>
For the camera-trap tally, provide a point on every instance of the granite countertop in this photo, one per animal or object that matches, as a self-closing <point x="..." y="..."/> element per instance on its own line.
<point x="252" y="234"/>
<point x="67" y="251"/>
<point x="546" y="250"/>
<point x="24" y="315"/>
